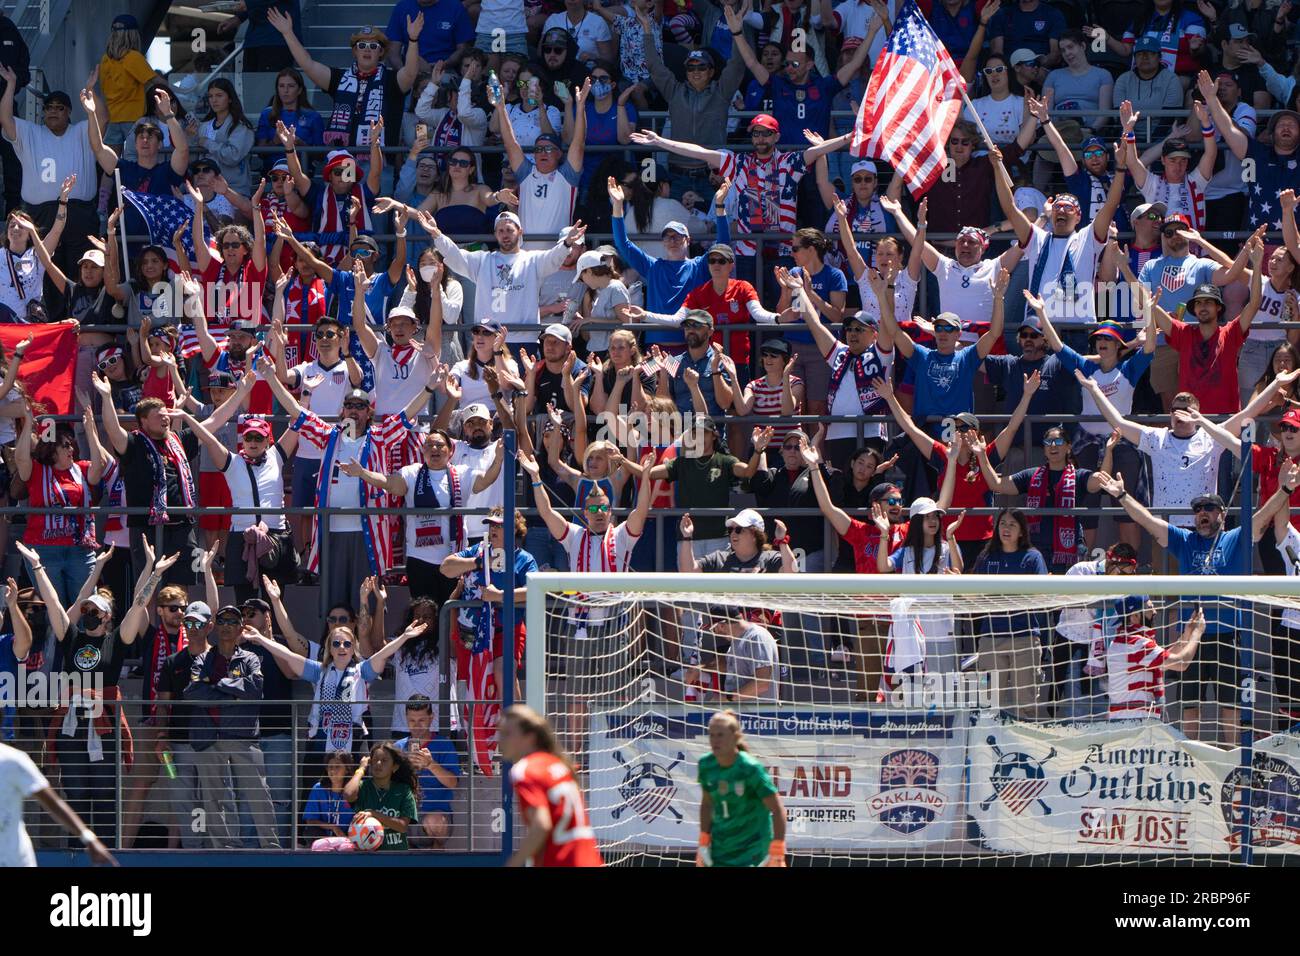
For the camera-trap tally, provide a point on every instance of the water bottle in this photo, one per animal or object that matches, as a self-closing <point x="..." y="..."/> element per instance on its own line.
<point x="169" y="765"/>
<point x="494" y="85"/>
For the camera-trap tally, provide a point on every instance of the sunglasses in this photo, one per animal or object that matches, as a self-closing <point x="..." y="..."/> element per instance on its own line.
<point x="763" y="133"/>
<point x="597" y="509"/>
<point x="697" y="68"/>
<point x="194" y="623"/>
<point x="1153" y="216"/>
<point x="232" y="245"/>
<point x="893" y="501"/>
<point x="250" y="612"/>
<point x="363" y="252"/>
<point x="1027" y="334"/>
<point x="106" y="364"/>
<point x="460" y="163"/>
<point x="339" y="619"/>
<point x="367" y="45"/>
<point x="963" y="427"/>
<point x="722" y="260"/>
<point x="356" y="405"/>
<point x="994" y="70"/>
<point x="1093" y="153"/>
<point x="864" y="178"/>
<point x="346" y="645"/>
<point x="229" y="621"/>
<point x="939" y="329"/>
<point x="1289" y="429"/>
<point x="326" y="336"/>
<point x="1053" y="442"/>
<point x="1205" y="506"/>
<point x="554" y="49"/>
<point x="546" y="148"/>
<point x="171" y="607"/>
<point x="1170" y="232"/>
<point x="279" y="177"/>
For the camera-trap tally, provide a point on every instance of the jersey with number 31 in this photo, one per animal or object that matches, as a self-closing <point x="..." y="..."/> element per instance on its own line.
<point x="544" y="780"/>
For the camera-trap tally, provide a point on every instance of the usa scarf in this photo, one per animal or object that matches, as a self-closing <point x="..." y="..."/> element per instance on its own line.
<point x="1064" y="527"/>
<point x="159" y="650"/>
<point x="861" y="378"/>
<point x="448" y="133"/>
<point x="175" y="451"/>
<point x="1065" y="280"/>
<point x="332" y="220"/>
<point x="426" y="497"/>
<point x="368" y="522"/>
<point x="304" y="304"/>
<point x="75" y="526"/>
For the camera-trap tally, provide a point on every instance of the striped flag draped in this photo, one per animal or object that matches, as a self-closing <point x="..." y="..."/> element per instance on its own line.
<point x="912" y="102"/>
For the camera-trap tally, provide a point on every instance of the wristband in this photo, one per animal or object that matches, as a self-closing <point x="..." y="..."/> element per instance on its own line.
<point x="1121" y="496"/>
<point x="686" y="537"/>
<point x="537" y="484"/>
<point x="431" y="391"/>
<point x="500" y="396"/>
<point x="1207" y="131"/>
<point x="778" y="542"/>
<point x="1289" y="491"/>
<point x="1130" y="137"/>
<point x="735" y="33"/>
<point x="86" y="836"/>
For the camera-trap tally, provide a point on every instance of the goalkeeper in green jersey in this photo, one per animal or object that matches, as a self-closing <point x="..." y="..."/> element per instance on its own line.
<point x="742" y="821"/>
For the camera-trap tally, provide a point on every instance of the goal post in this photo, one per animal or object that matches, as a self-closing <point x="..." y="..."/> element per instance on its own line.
<point x="933" y="717"/>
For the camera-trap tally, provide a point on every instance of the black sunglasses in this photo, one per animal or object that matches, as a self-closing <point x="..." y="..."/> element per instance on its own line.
<point x="462" y="163"/>
<point x="356" y="405"/>
<point x="554" y="49"/>
<point x="326" y="336"/>
<point x="698" y="68"/>
<point x="346" y="645"/>
<point x="1289" y="429"/>
<point x="1170" y="232"/>
<point x="229" y="621"/>
<point x="339" y="619"/>
<point x="1205" y="506"/>
<point x="171" y="607"/>
<point x="718" y="260"/>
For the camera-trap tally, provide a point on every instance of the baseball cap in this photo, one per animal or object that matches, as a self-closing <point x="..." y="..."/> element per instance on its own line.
<point x="1210" y="499"/>
<point x="507" y="216"/>
<point x="1022" y="56"/>
<point x="368" y="241"/>
<point x="1177" y="217"/>
<point x="1131" y="604"/>
<point x="399" y="310"/>
<point x="258" y="426"/>
<point x="126" y="22"/>
<point x="765" y="121"/>
<point x="1147" y="44"/>
<point x="707" y="423"/>
<point x="229" y="609"/>
<point x="950" y="318"/>
<point x="589" y="260"/>
<point x="676" y="227"/>
<point x="1277" y="117"/>
<point x="257" y="604"/>
<point x="335" y="158"/>
<point x="568" y="232"/>
<point x="494" y="519"/>
<point x="93" y="256"/>
<point x="864" y="166"/>
<point x="99" y="603"/>
<point x="863" y="318"/>
<point x="556" y="35"/>
<point x="488" y="325"/>
<point x="358" y="395"/>
<point x="775" y="346"/>
<point x="699" y="56"/>
<point x="247" y="326"/>
<point x="58" y="96"/>
<point x="966" y="418"/>
<point x="1031" y="322"/>
<point x="698" y="317"/>
<point x="722" y="249"/>
<point x="924" y="506"/>
<point x="548" y="138"/>
<point x="1292" y="417"/>
<point x="203" y="164"/>
<point x="219" y="378"/>
<point x="198" y="610"/>
<point x="1092" y="142"/>
<point x="559" y="330"/>
<point x="1147" y="207"/>
<point x="1175" y="147"/>
<point x="477" y="410"/>
<point x="748" y="518"/>
<point x="1239" y="31"/>
<point x="1206" y="290"/>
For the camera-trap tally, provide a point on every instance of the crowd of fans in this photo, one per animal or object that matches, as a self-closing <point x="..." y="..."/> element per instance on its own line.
<point x="1084" y="312"/>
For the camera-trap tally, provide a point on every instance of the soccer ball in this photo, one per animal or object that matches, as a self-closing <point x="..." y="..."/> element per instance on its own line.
<point x="366" y="833"/>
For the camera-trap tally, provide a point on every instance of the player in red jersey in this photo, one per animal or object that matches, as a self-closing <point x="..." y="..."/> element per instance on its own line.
<point x="559" y="833"/>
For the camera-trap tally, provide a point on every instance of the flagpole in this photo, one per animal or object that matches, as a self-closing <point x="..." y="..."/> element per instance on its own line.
<point x="121" y="224"/>
<point x="965" y="97"/>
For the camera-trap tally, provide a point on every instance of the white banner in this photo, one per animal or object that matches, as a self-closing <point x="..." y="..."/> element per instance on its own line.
<point x="1126" y="787"/>
<point x="849" y="779"/>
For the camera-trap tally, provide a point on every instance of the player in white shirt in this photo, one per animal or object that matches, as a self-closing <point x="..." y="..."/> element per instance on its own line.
<point x="966" y="282"/>
<point x="19" y="780"/>
<point x="547" y="188"/>
<point x="1182" y="191"/>
<point x="1062" y="262"/>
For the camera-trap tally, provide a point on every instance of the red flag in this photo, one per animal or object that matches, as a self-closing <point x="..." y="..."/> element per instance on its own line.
<point x="912" y="102"/>
<point x="49" y="364"/>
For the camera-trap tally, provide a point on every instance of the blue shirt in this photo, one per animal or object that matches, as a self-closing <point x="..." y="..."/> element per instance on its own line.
<point x="1131" y="368"/>
<point x="1032" y="30"/>
<point x="446" y="26"/>
<point x="1016" y="562"/>
<point x="682" y="393"/>
<point x="1165" y="272"/>
<point x="1058" y="393"/>
<point x="434" y="797"/>
<point x="157" y="181"/>
<point x="602" y="130"/>
<point x="823" y="283"/>
<point x="666" y="281"/>
<point x="944" y="383"/>
<point x="8" y="665"/>
<point x="1273" y="175"/>
<point x="307" y="126"/>
<point x="326" y="806"/>
<point x="524" y="564"/>
<point x="260" y="33"/>
<point x="807" y="106"/>
<point x="1091" y="192"/>
<point x="1218" y="555"/>
<point x="956" y="32"/>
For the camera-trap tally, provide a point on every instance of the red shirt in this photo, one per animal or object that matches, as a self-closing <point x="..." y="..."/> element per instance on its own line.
<point x="1208" y="367"/>
<point x="1267" y="463"/>
<point x="729" y="308"/>
<point x="661" y="491"/>
<point x="543" y="780"/>
<point x="48" y="488"/>
<point x="158" y="384"/>
<point x="239" y="295"/>
<point x="865" y="539"/>
<point x="970" y="491"/>
<point x="260" y="400"/>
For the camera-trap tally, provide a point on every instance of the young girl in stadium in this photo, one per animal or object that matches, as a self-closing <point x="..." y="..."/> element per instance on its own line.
<point x="390" y="794"/>
<point x="742" y="820"/>
<point x="326" y="813"/>
<point x="559" y="832"/>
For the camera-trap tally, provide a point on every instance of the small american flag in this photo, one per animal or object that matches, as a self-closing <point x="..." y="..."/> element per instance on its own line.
<point x="1020" y="793"/>
<point x="912" y="102"/>
<point x="159" y="217"/>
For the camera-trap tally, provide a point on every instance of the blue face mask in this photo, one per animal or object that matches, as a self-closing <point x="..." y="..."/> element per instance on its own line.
<point x="602" y="89"/>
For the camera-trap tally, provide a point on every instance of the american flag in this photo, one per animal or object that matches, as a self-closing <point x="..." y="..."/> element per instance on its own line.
<point x="1019" y="793"/>
<point x="159" y="217"/>
<point x="912" y="102"/>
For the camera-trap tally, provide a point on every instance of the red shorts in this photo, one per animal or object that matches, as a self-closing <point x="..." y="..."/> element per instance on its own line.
<point x="214" y="493"/>
<point x="498" y="650"/>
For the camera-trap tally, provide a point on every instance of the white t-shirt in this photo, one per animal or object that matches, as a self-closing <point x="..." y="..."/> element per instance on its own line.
<point x="1187" y="197"/>
<point x="428" y="537"/>
<point x="1002" y="118"/>
<point x="69" y="153"/>
<point x="1272" y="308"/>
<point x="270" y="489"/>
<point x="398" y="379"/>
<point x="1117" y="389"/>
<point x="546" y="200"/>
<point x="346" y="492"/>
<point x="1076" y="623"/>
<point x="966" y="290"/>
<point x="473" y="390"/>
<point x="19" y="779"/>
<point x="326" y="398"/>
<point x="849" y="403"/>
<point x="753" y="650"/>
<point x="477" y="461"/>
<point x="527" y="124"/>
<point x="506" y="15"/>
<point x="411" y="677"/>
<point x="589" y="31"/>
<point x="506" y="287"/>
<point x="904" y="296"/>
<point x="1084" y="251"/>
<point x="587" y="552"/>
<point x="1290" y="616"/>
<point x="22" y="280"/>
<point x="1181" y="468"/>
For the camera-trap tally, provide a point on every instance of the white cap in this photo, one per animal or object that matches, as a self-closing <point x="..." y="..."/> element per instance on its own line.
<point x="405" y="310"/>
<point x="93" y="256"/>
<point x="560" y="331"/>
<point x="100" y="603"/>
<point x="477" y="410"/>
<point x="590" y="260"/>
<point x="1027" y="197"/>
<point x="508" y="216"/>
<point x="676" y="227"/>
<point x="864" y="166"/>
<point x="924" y="506"/>
<point x="749" y="518"/>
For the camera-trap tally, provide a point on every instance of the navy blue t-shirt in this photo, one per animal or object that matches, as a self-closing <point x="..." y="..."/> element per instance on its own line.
<point x="1045" y="534"/>
<point x="157" y="181"/>
<point x="1030" y="30"/>
<point x="823" y="283"/>
<point x="944" y="383"/>
<point x="1016" y="562"/>
<point x="8" y="665"/>
<point x="434" y="797"/>
<point x="1091" y="191"/>
<point x="1058" y="393"/>
<point x="1273" y="175"/>
<point x="798" y="108"/>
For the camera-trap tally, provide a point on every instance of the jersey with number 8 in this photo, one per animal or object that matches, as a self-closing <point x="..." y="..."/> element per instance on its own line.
<point x="544" y="780"/>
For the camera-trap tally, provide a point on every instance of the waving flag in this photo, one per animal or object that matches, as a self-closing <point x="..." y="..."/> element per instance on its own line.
<point x="48" y="364"/>
<point x="912" y="102"/>
<point x="159" y="217"/>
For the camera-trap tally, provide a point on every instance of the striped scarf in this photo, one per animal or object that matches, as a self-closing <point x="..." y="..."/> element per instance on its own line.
<point x="426" y="497"/>
<point x="1064" y="527"/>
<point x="175" y="451"/>
<point x="75" y="526"/>
<point x="332" y="221"/>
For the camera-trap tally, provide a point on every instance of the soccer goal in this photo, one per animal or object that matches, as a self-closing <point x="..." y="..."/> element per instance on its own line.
<point x="1091" y="719"/>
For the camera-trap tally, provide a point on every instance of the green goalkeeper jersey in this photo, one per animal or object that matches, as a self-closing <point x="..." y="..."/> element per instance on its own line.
<point x="742" y="826"/>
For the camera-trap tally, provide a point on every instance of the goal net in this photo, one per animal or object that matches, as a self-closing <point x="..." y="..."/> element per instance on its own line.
<point x="1096" y="719"/>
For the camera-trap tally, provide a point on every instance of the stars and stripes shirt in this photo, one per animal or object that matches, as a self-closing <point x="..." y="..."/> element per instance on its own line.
<point x="766" y="194"/>
<point x="1135" y="674"/>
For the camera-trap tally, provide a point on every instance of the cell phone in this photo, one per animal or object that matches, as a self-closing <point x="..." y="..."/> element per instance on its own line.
<point x="422" y="130"/>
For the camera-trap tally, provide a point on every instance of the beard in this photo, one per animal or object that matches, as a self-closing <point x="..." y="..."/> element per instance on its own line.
<point x="477" y="441"/>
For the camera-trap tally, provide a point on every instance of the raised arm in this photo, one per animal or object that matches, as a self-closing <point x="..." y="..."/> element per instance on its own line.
<point x="1236" y="140"/>
<point x="1131" y="431"/>
<point x="923" y="442"/>
<point x="104" y="155"/>
<point x="108" y="412"/>
<point x="317" y="72"/>
<point x="840" y="521"/>
<point x="1038" y="109"/>
<point x="930" y="254"/>
<point x="985" y="343"/>
<point x="1008" y="434"/>
<point x="1019" y="222"/>
<point x="1156" y="527"/>
<point x="554" y="522"/>
<point x="287" y="630"/>
<point x="652" y="139"/>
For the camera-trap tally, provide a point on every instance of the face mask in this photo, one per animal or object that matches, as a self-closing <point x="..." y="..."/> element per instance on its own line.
<point x="602" y="89"/>
<point x="89" y="622"/>
<point x="426" y="273"/>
